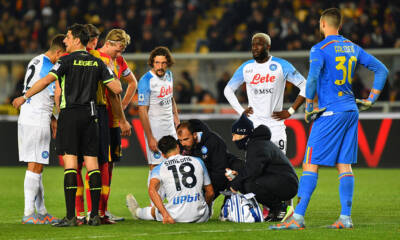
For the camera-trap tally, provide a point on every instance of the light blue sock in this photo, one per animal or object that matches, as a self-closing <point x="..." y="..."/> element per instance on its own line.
<point x="307" y="184"/>
<point x="346" y="189"/>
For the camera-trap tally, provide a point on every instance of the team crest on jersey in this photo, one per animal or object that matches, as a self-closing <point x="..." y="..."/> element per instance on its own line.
<point x="45" y="154"/>
<point x="157" y="155"/>
<point x="204" y="150"/>
<point x="273" y="67"/>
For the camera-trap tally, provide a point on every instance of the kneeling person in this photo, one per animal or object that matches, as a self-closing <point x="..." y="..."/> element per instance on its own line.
<point x="183" y="179"/>
<point x="267" y="173"/>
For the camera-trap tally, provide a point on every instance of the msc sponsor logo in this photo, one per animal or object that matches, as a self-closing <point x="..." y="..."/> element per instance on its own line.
<point x="262" y="79"/>
<point x="186" y="198"/>
<point x="258" y="91"/>
<point x="164" y="102"/>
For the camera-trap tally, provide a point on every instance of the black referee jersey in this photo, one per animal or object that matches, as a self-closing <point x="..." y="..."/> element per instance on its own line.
<point x="79" y="74"/>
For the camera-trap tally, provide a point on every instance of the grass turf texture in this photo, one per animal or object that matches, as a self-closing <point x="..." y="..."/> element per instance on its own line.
<point x="376" y="210"/>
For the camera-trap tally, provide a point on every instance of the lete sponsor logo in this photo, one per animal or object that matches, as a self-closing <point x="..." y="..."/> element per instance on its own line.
<point x="262" y="79"/>
<point x="165" y="92"/>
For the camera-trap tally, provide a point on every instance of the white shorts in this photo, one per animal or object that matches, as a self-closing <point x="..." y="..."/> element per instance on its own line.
<point x="278" y="137"/>
<point x="204" y="218"/>
<point x="155" y="158"/>
<point x="33" y="143"/>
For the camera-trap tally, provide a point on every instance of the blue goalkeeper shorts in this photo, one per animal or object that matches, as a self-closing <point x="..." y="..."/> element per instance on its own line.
<point x="333" y="140"/>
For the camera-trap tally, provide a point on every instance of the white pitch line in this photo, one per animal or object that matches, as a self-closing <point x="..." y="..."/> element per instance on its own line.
<point x="191" y="232"/>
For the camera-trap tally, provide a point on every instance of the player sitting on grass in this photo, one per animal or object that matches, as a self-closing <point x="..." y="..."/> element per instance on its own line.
<point x="186" y="185"/>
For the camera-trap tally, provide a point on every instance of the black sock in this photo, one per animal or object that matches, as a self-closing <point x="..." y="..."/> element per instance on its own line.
<point x="95" y="189"/>
<point x="70" y="186"/>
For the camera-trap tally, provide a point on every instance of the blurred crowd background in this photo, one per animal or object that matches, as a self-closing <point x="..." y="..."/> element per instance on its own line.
<point x="27" y="25"/>
<point x="201" y="26"/>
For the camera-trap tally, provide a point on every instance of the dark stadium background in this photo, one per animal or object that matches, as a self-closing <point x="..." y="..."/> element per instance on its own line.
<point x="210" y="39"/>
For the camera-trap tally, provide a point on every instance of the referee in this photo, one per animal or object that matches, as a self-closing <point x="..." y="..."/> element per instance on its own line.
<point x="77" y="130"/>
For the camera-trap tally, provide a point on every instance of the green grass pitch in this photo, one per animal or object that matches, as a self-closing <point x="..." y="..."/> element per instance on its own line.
<point x="376" y="210"/>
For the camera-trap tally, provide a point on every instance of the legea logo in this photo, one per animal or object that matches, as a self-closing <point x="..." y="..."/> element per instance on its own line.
<point x="165" y="92"/>
<point x="262" y="79"/>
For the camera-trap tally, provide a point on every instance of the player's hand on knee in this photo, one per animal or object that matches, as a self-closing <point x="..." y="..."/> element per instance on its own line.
<point x="248" y="111"/>
<point x="314" y="114"/>
<point x="125" y="128"/>
<point x="282" y="115"/>
<point x="363" y="104"/>
<point x="168" y="220"/>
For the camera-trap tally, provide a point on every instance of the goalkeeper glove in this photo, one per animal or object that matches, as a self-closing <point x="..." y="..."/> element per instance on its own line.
<point x="314" y="114"/>
<point x="363" y="104"/>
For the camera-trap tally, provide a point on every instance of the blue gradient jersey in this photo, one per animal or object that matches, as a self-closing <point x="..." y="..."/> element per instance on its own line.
<point x="332" y="65"/>
<point x="37" y="109"/>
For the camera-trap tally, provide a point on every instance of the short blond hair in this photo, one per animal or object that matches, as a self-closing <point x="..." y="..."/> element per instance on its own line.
<point x="264" y="36"/>
<point x="118" y="35"/>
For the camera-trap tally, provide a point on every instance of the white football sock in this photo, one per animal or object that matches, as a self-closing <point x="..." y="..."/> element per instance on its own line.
<point x="144" y="213"/>
<point x="31" y="188"/>
<point x="39" y="201"/>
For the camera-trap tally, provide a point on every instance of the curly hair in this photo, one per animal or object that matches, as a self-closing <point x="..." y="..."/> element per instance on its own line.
<point x="161" y="51"/>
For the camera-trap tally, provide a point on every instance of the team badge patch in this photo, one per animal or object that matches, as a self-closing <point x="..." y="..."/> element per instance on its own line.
<point x="156" y="155"/>
<point x="204" y="150"/>
<point x="272" y="67"/>
<point x="45" y="154"/>
<point x="141" y="97"/>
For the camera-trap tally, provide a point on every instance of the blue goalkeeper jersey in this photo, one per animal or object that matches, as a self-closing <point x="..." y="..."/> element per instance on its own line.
<point x="332" y="65"/>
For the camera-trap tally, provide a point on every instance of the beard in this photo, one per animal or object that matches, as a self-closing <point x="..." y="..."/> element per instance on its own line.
<point x="160" y="72"/>
<point x="261" y="57"/>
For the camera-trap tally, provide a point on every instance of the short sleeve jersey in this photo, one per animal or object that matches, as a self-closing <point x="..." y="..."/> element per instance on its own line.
<point x="157" y="93"/>
<point x="79" y="74"/>
<point x="101" y="90"/>
<point x="120" y="69"/>
<point x="265" y="86"/>
<point x="182" y="179"/>
<point x="37" y="109"/>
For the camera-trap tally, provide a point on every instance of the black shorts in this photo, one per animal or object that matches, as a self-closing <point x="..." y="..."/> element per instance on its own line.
<point x="77" y="132"/>
<point x="104" y="136"/>
<point x="272" y="189"/>
<point x="115" y="144"/>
